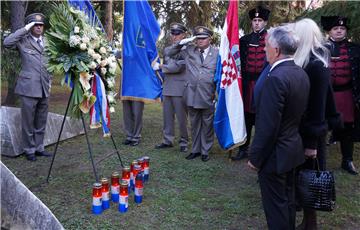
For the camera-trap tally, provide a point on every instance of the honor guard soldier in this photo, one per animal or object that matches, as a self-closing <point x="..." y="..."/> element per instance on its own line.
<point x="33" y="83"/>
<point x="199" y="91"/>
<point x="345" y="78"/>
<point x="173" y="89"/>
<point x="253" y="60"/>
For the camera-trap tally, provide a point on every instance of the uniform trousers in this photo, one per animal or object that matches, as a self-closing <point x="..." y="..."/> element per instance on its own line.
<point x="34" y="113"/>
<point x="278" y="199"/>
<point x="133" y="112"/>
<point x="174" y="105"/>
<point x="202" y="129"/>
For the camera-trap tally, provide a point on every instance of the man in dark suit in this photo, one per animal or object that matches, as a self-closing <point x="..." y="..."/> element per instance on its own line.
<point x="253" y="55"/>
<point x="173" y="89"/>
<point x="277" y="149"/>
<point x="33" y="84"/>
<point x="199" y="92"/>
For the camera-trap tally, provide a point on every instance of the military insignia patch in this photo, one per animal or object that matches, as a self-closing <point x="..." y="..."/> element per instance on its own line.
<point x="38" y="17"/>
<point x="341" y="22"/>
<point x="140" y="42"/>
<point x="256" y="14"/>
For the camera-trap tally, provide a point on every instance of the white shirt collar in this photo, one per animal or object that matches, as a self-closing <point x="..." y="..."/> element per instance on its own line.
<point x="206" y="51"/>
<point x="280" y="61"/>
<point x="35" y="38"/>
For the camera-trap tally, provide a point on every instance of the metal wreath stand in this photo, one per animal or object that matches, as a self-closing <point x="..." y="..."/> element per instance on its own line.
<point x="87" y="140"/>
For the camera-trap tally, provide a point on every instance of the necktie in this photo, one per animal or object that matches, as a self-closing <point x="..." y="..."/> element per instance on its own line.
<point x="202" y="56"/>
<point x="39" y="43"/>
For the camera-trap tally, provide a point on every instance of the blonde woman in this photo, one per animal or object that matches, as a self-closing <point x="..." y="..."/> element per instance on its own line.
<point x="313" y="57"/>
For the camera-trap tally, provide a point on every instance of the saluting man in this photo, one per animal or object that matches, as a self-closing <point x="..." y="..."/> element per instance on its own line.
<point x="253" y="60"/>
<point x="345" y="77"/>
<point x="173" y="89"/>
<point x="199" y="93"/>
<point x="33" y="83"/>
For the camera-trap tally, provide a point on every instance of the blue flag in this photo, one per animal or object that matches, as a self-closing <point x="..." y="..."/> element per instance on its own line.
<point x="86" y="7"/>
<point x="141" y="31"/>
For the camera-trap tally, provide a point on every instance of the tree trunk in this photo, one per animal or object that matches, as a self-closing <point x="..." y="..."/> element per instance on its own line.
<point x="17" y="16"/>
<point x="108" y="19"/>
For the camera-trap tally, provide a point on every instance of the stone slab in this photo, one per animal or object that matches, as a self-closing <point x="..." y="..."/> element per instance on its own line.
<point x="10" y="126"/>
<point x="20" y="208"/>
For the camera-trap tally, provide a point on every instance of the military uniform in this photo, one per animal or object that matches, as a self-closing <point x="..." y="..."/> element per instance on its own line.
<point x="173" y="88"/>
<point x="32" y="85"/>
<point x="253" y="61"/>
<point x="199" y="91"/>
<point x="345" y="78"/>
<point x="132" y="112"/>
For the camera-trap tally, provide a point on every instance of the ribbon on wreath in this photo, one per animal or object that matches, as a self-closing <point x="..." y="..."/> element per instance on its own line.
<point x="99" y="112"/>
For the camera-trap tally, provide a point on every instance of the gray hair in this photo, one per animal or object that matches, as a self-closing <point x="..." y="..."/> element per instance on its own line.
<point x="284" y="38"/>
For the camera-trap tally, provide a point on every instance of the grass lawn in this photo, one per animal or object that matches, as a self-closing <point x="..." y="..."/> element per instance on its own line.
<point x="180" y="194"/>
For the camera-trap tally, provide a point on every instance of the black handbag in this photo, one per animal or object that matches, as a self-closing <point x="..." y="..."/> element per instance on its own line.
<point x="316" y="189"/>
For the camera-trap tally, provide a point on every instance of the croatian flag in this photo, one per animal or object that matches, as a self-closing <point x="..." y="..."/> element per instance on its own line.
<point x="99" y="112"/>
<point x="229" y="121"/>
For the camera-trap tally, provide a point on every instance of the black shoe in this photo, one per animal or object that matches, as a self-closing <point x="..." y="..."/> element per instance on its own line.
<point x="134" y="143"/>
<point x="127" y="142"/>
<point x="43" y="154"/>
<point x="349" y="167"/>
<point x="192" y="156"/>
<point x="183" y="149"/>
<point x="163" y="146"/>
<point x="242" y="154"/>
<point x="31" y="157"/>
<point x="205" y="158"/>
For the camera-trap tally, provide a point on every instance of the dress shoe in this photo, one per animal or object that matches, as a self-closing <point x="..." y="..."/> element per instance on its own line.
<point x="205" y="158"/>
<point x="135" y="143"/>
<point x="43" y="154"/>
<point x="242" y="154"/>
<point x="127" y="142"/>
<point x="192" y="156"/>
<point x="183" y="149"/>
<point x="349" y="167"/>
<point x="31" y="157"/>
<point x="163" y="146"/>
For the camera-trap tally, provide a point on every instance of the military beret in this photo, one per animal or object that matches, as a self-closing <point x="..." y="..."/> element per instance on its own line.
<point x="177" y="28"/>
<point x="328" y="22"/>
<point x="259" y="12"/>
<point x="202" y="32"/>
<point x="38" y="18"/>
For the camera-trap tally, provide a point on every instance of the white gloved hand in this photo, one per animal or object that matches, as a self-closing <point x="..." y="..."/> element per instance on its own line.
<point x="156" y="66"/>
<point x="186" y="40"/>
<point x="29" y="26"/>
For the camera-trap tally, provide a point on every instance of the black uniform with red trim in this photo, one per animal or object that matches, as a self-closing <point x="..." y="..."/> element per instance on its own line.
<point x="253" y="58"/>
<point x="345" y="78"/>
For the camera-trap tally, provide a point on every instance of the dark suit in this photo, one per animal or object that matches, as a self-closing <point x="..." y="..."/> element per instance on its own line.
<point x="277" y="147"/>
<point x="33" y="86"/>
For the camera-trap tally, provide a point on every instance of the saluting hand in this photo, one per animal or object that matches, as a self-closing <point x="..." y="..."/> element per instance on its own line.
<point x="186" y="40"/>
<point x="29" y="26"/>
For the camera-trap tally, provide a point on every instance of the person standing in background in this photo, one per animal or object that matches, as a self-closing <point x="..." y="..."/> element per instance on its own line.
<point x="253" y="60"/>
<point x="345" y="78"/>
<point x="173" y="89"/>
